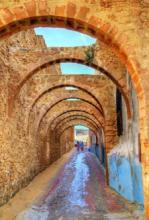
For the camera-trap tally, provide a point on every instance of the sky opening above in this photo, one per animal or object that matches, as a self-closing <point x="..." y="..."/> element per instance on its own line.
<point x="76" y="69"/>
<point x="72" y="99"/>
<point x="80" y="127"/>
<point x="61" y="37"/>
<point x="70" y="88"/>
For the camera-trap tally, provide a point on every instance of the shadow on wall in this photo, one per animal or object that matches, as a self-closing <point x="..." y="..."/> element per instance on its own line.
<point x="99" y="151"/>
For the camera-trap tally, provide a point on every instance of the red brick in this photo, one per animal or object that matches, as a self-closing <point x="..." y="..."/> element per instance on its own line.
<point x="7" y="15"/>
<point x="83" y="12"/>
<point x="94" y="21"/>
<point x="71" y="9"/>
<point x="60" y="10"/>
<point x="31" y="8"/>
<point x="20" y="12"/>
<point x="43" y="7"/>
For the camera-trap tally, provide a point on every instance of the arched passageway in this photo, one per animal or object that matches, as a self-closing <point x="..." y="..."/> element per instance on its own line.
<point x="37" y="115"/>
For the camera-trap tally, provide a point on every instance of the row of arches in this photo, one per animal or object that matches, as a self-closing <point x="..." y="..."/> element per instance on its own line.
<point x="81" y="18"/>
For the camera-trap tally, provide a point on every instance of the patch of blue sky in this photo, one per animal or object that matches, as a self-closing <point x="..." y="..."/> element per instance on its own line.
<point x="75" y="68"/>
<point x="73" y="99"/>
<point x="61" y="37"/>
<point x="71" y="88"/>
<point x="80" y="127"/>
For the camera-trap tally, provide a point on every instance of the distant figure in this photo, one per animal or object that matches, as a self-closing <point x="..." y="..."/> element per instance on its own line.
<point x="82" y="146"/>
<point x="78" y="146"/>
<point x="75" y="144"/>
<point x="89" y="149"/>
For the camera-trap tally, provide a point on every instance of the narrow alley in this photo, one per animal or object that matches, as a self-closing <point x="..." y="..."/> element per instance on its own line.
<point x="74" y="110"/>
<point x="79" y="192"/>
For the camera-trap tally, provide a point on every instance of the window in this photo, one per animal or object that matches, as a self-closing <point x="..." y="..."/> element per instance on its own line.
<point x="119" y="113"/>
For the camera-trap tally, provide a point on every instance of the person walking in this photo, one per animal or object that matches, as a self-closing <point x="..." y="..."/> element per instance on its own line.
<point x="78" y="146"/>
<point x="82" y="146"/>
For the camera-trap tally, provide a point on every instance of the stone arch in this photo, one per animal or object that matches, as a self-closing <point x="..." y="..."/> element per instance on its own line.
<point x="73" y="121"/>
<point x="61" y="127"/>
<point x="62" y="107"/>
<point x="51" y="132"/>
<point x="43" y="131"/>
<point x="62" y="102"/>
<point x="119" y="81"/>
<point x="80" y="18"/>
<point x="67" y="114"/>
<point x="78" y="122"/>
<point x="72" y="112"/>
<point x="74" y="16"/>
<point x="71" y="118"/>
<point x="55" y="146"/>
<point x="70" y="85"/>
<point x="51" y="135"/>
<point x="64" y="96"/>
<point x="55" y="81"/>
<point x="74" y="116"/>
<point x="64" y="120"/>
<point x="30" y="15"/>
<point x="72" y="56"/>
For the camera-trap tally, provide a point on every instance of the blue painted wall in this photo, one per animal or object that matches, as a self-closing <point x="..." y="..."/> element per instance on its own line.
<point x="125" y="176"/>
<point x="92" y="148"/>
<point x="100" y="153"/>
<point x="137" y="181"/>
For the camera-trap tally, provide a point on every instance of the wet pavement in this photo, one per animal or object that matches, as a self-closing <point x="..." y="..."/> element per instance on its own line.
<point x="79" y="192"/>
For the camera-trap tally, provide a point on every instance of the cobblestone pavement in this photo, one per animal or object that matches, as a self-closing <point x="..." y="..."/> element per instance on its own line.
<point x="79" y="192"/>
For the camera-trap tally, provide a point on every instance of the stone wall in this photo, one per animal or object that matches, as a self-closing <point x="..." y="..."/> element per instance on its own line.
<point x="125" y="171"/>
<point x="67" y="140"/>
<point x="97" y="146"/>
<point x="19" y="162"/>
<point x="28" y="143"/>
<point x="126" y="37"/>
